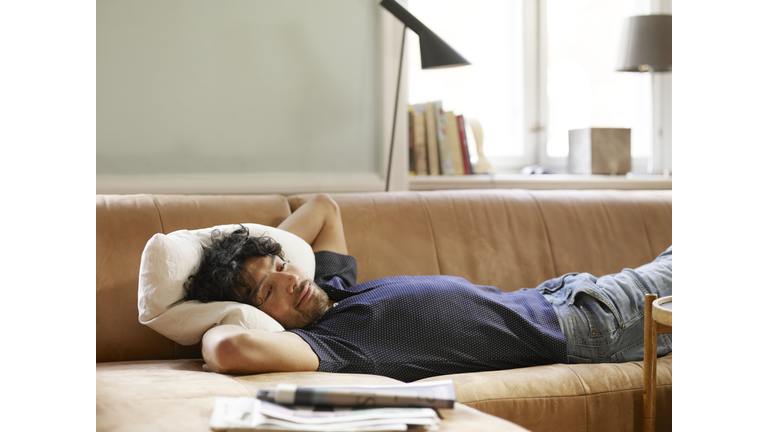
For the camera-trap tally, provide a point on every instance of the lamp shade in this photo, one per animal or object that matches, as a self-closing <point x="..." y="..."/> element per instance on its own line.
<point x="435" y="53"/>
<point x="646" y="44"/>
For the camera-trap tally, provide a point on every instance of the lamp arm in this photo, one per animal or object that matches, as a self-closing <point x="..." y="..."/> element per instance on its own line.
<point x="401" y="13"/>
<point x="394" y="116"/>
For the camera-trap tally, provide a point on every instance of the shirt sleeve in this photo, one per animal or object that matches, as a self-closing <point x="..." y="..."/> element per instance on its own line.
<point x="335" y="273"/>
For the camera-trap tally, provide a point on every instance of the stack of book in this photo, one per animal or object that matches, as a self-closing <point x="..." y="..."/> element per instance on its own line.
<point x="337" y="408"/>
<point x="438" y="142"/>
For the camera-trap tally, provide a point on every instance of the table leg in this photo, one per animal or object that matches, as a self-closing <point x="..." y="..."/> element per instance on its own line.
<point x="649" y="367"/>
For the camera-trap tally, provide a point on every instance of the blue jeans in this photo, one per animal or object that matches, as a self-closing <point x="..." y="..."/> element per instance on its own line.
<point x="602" y="318"/>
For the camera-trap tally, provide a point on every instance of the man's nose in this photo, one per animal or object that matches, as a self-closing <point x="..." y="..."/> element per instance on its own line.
<point x="289" y="281"/>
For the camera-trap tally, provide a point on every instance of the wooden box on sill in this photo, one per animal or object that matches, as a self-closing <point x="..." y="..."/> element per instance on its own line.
<point x="599" y="151"/>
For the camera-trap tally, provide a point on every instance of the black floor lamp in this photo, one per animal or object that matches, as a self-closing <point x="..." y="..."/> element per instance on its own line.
<point x="435" y="53"/>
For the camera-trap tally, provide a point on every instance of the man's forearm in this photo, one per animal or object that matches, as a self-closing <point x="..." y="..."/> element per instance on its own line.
<point x="234" y="350"/>
<point x="318" y="222"/>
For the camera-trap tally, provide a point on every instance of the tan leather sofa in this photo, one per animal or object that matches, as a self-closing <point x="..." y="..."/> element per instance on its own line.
<point x="506" y="238"/>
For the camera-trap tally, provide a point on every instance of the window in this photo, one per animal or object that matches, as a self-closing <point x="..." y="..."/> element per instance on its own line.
<point x="540" y="68"/>
<point x="583" y="88"/>
<point x="487" y="33"/>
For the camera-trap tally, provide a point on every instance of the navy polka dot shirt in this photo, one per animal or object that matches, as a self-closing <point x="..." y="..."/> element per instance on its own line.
<point x="413" y="327"/>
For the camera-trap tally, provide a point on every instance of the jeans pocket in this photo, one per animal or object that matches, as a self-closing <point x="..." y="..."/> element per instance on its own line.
<point x="601" y="315"/>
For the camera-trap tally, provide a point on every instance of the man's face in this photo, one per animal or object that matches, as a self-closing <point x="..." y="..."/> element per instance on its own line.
<point x="285" y="293"/>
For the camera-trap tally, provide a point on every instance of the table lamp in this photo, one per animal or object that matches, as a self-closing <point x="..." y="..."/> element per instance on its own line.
<point x="646" y="46"/>
<point x="435" y="53"/>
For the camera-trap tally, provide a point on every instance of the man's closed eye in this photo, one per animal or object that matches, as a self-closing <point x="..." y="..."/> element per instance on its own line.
<point x="269" y="288"/>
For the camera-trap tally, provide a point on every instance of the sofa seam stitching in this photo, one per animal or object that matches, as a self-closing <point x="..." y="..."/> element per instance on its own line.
<point x="584" y="393"/>
<point x="162" y="230"/>
<point x="576" y="396"/>
<point x="159" y="215"/>
<point x="645" y="226"/>
<point x="560" y="396"/>
<point x="546" y="231"/>
<point x="431" y="231"/>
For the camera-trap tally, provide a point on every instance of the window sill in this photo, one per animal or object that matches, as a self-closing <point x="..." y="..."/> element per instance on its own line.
<point x="229" y="184"/>
<point x="546" y="181"/>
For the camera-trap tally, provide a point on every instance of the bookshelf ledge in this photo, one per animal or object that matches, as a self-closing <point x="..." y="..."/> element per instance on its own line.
<point x="546" y="181"/>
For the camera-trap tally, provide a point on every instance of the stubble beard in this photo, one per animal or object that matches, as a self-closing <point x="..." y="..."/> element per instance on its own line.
<point x="314" y="308"/>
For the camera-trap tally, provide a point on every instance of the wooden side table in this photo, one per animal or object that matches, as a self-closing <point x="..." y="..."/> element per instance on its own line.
<point x="658" y="320"/>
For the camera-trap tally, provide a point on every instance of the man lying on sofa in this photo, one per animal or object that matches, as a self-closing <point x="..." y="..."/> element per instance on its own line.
<point x="408" y="327"/>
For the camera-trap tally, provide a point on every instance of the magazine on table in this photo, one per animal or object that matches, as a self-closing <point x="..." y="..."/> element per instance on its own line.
<point x="432" y="394"/>
<point x="251" y="413"/>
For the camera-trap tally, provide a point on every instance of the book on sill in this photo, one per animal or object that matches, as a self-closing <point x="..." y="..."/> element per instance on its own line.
<point x="438" y="141"/>
<point x="454" y="143"/>
<point x="247" y="413"/>
<point x="433" y="154"/>
<point x="443" y="146"/>
<point x="418" y="134"/>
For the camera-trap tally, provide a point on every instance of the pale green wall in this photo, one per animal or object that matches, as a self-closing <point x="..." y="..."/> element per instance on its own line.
<point x="238" y="86"/>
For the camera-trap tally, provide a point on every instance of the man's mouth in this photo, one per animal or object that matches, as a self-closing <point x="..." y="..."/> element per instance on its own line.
<point x="305" y="294"/>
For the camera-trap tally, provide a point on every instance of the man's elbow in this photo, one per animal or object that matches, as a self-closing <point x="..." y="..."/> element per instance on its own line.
<point x="328" y="203"/>
<point x="230" y="349"/>
<point x="222" y="351"/>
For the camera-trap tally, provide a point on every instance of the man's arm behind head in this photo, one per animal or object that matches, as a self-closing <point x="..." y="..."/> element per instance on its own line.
<point x="318" y="222"/>
<point x="234" y="350"/>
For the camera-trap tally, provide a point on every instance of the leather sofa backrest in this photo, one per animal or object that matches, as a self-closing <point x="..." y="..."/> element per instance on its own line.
<point x="510" y="239"/>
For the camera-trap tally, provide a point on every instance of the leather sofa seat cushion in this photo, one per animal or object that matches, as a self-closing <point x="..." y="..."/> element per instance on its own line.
<point x="576" y="394"/>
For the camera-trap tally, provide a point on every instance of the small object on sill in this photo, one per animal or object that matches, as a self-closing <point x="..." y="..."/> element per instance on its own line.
<point x="535" y="169"/>
<point x="482" y="166"/>
<point x="599" y="151"/>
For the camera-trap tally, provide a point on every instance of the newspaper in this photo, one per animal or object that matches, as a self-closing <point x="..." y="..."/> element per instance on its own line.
<point x="251" y="413"/>
<point x="432" y="394"/>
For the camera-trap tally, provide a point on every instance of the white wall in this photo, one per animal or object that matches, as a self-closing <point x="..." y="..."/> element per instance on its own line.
<point x="197" y="87"/>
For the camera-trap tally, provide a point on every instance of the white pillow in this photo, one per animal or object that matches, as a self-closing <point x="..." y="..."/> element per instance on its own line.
<point x="169" y="260"/>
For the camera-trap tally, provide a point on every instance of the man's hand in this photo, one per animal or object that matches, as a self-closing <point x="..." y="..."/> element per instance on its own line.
<point x="318" y="222"/>
<point x="232" y="349"/>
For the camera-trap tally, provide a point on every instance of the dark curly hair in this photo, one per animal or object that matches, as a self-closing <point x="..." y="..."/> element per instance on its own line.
<point x="222" y="273"/>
